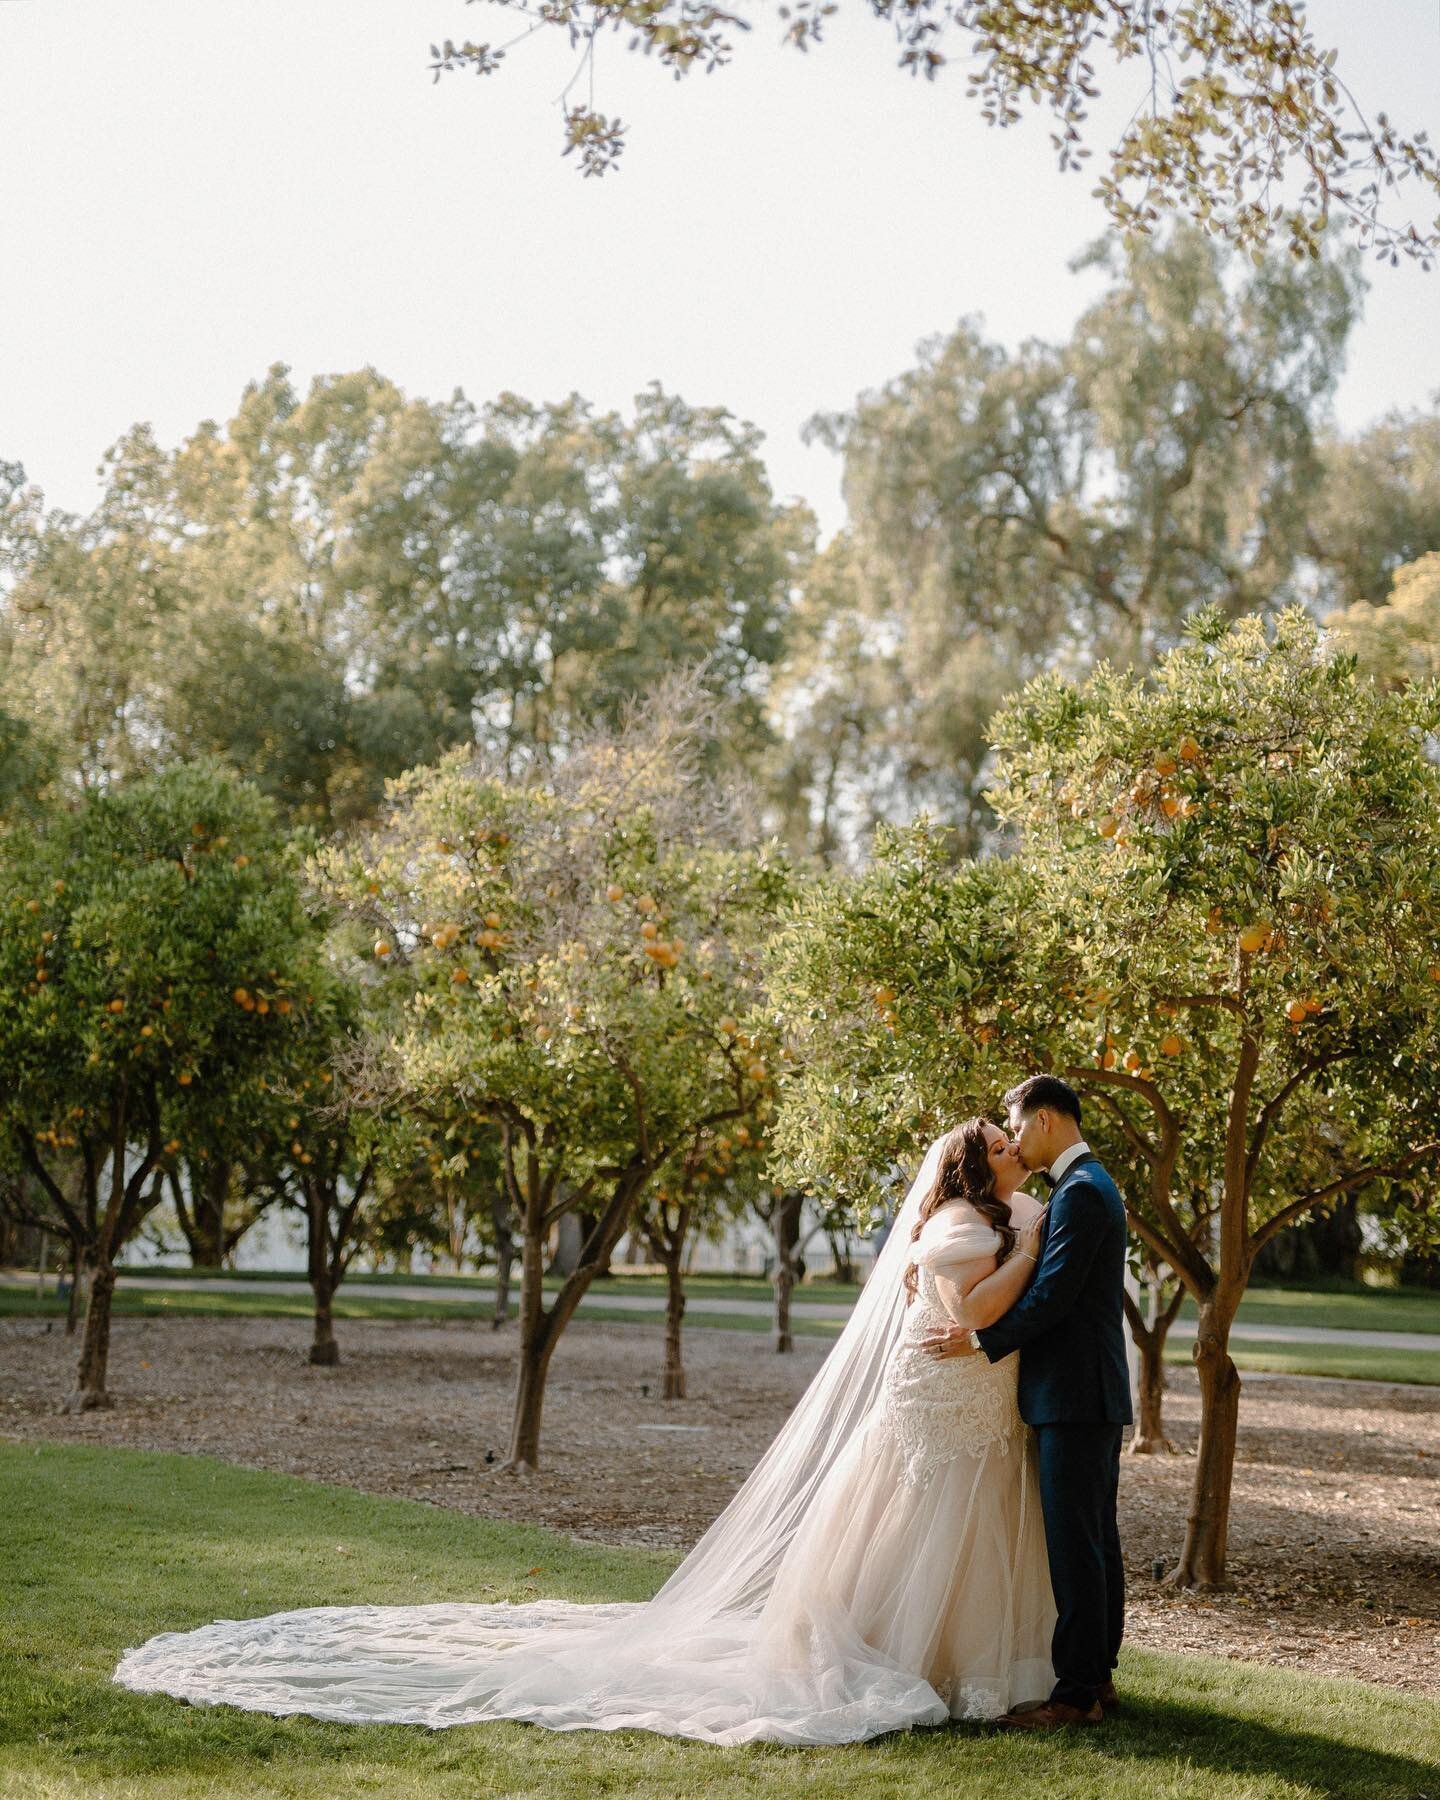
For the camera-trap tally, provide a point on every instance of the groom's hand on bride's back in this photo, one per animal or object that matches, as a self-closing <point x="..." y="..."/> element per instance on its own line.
<point x="949" y="1340"/>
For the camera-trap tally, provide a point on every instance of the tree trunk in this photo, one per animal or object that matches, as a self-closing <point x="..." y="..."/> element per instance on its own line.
<point x="1149" y="1437"/>
<point x="504" y="1264"/>
<point x="540" y="1330"/>
<point x="1150" y="1332"/>
<point x="530" y="1401"/>
<point x="324" y="1351"/>
<point x="80" y="1272"/>
<point x="674" y="1380"/>
<point x="569" y="1240"/>
<point x="535" y="1343"/>
<point x="504" y="1254"/>
<point x="1202" y="1561"/>
<point x="89" y="1393"/>
<point x="205" y="1233"/>
<point x="786" y="1225"/>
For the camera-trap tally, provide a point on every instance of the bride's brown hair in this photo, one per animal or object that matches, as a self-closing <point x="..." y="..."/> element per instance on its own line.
<point x="965" y="1173"/>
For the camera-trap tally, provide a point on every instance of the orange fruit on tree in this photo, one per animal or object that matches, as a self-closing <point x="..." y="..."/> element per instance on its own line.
<point x="1132" y="1060"/>
<point x="1297" y="1012"/>
<point x="756" y="1070"/>
<point x="649" y="929"/>
<point x="614" y="892"/>
<point x="117" y="1006"/>
<point x="1170" y="1045"/>
<point x="383" y="947"/>
<point x="1189" y="749"/>
<point x="1215" y="923"/>
<point x="1165" y="763"/>
<point x="1254" y="938"/>
<point x="1170" y="806"/>
<point x="1107" y="825"/>
<point x="459" y="976"/>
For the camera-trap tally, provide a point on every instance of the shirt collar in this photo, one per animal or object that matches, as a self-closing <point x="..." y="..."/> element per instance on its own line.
<point x="1067" y="1159"/>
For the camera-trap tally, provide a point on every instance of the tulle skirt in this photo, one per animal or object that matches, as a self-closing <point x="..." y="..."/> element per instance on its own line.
<point x="906" y="1597"/>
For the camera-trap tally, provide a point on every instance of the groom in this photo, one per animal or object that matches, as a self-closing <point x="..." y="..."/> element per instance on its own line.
<point x="1074" y="1392"/>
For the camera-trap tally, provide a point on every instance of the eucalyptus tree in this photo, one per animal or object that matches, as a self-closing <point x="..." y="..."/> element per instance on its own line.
<point x="1056" y="505"/>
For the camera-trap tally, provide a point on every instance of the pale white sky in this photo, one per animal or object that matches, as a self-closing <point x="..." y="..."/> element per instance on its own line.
<point x="194" y="191"/>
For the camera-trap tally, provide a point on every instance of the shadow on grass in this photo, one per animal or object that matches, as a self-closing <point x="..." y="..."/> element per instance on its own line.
<point x="1191" y="1734"/>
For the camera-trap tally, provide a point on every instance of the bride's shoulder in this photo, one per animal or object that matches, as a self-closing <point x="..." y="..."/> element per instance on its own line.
<point x="954" y="1232"/>
<point x="1025" y="1207"/>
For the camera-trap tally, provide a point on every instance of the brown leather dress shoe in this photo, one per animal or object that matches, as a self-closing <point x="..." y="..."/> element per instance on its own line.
<point x="1108" y="1698"/>
<point x="1054" y="1715"/>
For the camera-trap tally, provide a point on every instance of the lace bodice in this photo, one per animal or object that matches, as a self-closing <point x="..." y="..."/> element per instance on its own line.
<point x="957" y="1406"/>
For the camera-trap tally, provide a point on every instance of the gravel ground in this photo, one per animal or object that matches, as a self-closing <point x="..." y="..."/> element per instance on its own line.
<point x="1333" y="1546"/>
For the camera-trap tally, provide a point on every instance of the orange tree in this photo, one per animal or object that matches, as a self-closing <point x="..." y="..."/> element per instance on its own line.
<point x="560" y="958"/>
<point x="693" y="1196"/>
<point x="317" y="1143"/>
<point x="133" y="927"/>
<point x="1221" y="924"/>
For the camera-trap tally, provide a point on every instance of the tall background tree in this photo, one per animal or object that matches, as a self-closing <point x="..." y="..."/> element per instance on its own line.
<point x="1066" y="503"/>
<point x="335" y="587"/>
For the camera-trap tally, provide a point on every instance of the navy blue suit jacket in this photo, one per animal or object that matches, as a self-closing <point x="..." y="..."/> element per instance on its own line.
<point x="1070" y="1321"/>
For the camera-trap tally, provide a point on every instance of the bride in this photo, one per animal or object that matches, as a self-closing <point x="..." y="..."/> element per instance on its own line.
<point x="883" y="1566"/>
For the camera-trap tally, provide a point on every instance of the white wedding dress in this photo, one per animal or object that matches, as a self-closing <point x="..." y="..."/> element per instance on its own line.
<point x="882" y="1567"/>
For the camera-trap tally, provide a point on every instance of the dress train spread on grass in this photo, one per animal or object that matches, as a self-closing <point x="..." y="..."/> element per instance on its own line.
<point x="882" y="1567"/>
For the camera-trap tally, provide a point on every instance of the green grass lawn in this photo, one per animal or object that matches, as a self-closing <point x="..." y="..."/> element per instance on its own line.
<point x="1334" y="1305"/>
<point x="1353" y="1362"/>
<point x="1340" y="1306"/>
<point x="102" y="1548"/>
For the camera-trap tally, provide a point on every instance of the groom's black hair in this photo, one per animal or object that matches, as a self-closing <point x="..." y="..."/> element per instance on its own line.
<point x="1049" y="1091"/>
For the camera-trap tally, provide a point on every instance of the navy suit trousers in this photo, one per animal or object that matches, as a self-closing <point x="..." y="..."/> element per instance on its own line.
<point x="1079" y="1479"/>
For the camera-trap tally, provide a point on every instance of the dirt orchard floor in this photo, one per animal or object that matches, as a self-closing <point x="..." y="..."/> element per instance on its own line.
<point x="1333" y="1552"/>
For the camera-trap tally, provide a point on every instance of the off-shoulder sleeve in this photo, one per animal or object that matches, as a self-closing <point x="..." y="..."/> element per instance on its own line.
<point x="955" y="1236"/>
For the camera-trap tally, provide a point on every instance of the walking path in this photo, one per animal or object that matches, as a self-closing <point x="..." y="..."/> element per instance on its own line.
<point x="699" y="1305"/>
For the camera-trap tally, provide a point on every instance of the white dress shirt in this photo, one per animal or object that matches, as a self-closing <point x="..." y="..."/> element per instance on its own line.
<point x="1066" y="1160"/>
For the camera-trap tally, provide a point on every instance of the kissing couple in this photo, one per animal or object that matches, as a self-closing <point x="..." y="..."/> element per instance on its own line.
<point x="931" y="1536"/>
